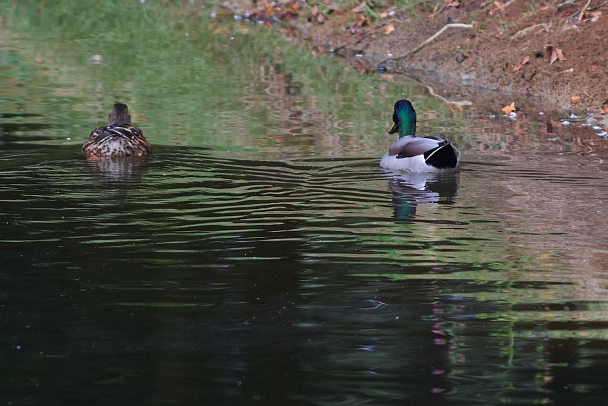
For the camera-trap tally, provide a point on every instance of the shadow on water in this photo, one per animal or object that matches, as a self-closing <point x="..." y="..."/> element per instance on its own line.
<point x="18" y="135"/>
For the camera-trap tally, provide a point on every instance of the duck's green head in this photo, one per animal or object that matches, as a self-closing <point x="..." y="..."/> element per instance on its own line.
<point x="404" y="119"/>
<point x="119" y="115"/>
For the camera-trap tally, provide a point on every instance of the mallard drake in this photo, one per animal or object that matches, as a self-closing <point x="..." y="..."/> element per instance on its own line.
<point x="417" y="154"/>
<point x="118" y="138"/>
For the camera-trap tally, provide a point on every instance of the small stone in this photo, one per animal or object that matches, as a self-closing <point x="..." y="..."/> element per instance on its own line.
<point x="460" y="58"/>
<point x="381" y="69"/>
<point x="577" y="111"/>
<point x="592" y="121"/>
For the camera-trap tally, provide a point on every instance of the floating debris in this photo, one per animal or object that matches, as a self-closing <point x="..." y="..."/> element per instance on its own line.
<point x="97" y="60"/>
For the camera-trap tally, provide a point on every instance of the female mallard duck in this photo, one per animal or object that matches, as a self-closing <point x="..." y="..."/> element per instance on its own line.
<point x="118" y="138"/>
<point x="417" y="154"/>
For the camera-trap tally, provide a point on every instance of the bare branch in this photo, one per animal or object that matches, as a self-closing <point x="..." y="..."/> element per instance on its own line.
<point x="431" y="39"/>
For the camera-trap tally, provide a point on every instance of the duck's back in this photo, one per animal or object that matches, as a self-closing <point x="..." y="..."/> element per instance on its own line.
<point x="422" y="154"/>
<point x="116" y="140"/>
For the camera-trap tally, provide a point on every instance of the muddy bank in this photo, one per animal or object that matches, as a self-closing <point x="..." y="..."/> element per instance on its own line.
<point x="533" y="53"/>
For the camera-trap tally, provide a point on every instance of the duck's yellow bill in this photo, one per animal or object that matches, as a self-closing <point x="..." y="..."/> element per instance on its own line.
<point x="393" y="129"/>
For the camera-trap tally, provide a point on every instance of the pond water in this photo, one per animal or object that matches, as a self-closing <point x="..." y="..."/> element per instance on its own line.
<point x="260" y="255"/>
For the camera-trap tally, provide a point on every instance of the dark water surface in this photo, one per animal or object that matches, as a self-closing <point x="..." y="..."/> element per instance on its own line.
<point x="260" y="256"/>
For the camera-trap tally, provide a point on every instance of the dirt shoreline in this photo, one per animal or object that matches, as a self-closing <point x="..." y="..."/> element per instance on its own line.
<point x="537" y="54"/>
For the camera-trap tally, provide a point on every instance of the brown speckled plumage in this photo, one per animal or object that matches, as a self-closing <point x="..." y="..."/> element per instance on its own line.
<point x="118" y="138"/>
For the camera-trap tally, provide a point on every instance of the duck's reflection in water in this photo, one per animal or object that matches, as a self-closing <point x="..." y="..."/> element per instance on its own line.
<point x="116" y="169"/>
<point x="118" y="175"/>
<point x="413" y="189"/>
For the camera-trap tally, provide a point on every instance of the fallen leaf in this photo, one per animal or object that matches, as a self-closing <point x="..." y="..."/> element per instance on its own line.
<point x="556" y="54"/>
<point x="454" y="4"/>
<point x="320" y="19"/>
<point x="575" y="99"/>
<point x="605" y="109"/>
<point x="288" y="13"/>
<point x="593" y="16"/>
<point x="499" y="7"/>
<point x="388" y="29"/>
<point x="509" y="109"/>
<point x="358" y="24"/>
<point x="360" y="8"/>
<point x="553" y="57"/>
<point x="521" y="63"/>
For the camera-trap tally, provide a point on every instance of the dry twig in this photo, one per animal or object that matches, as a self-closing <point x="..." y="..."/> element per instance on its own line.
<point x="457" y="104"/>
<point x="460" y="103"/>
<point x="523" y="32"/>
<point x="582" y="12"/>
<point x="431" y="39"/>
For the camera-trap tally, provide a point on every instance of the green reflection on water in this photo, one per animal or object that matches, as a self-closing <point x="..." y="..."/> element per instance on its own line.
<point x="189" y="80"/>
